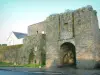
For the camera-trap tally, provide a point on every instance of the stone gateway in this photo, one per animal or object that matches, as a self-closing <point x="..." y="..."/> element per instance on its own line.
<point x="71" y="38"/>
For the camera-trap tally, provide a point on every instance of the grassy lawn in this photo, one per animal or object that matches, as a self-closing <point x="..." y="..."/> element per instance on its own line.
<point x="32" y="65"/>
<point x="4" y="64"/>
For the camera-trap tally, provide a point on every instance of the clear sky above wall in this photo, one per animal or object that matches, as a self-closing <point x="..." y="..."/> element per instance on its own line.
<point x="17" y="15"/>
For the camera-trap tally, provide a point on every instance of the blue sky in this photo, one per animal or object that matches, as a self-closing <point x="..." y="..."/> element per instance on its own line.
<point x="17" y="15"/>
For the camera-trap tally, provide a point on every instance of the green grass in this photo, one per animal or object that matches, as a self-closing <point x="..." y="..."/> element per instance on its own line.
<point x="33" y="65"/>
<point x="4" y="64"/>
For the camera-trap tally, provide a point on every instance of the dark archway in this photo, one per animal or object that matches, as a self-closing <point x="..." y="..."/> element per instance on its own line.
<point x="43" y="57"/>
<point x="31" y="57"/>
<point x="68" y="55"/>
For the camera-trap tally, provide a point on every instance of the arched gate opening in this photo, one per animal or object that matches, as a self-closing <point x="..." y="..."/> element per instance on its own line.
<point x="68" y="56"/>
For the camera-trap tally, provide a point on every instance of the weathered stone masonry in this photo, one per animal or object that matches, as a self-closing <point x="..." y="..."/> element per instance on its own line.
<point x="74" y="33"/>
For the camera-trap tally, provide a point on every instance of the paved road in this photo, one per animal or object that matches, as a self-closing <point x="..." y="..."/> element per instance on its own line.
<point x="54" y="71"/>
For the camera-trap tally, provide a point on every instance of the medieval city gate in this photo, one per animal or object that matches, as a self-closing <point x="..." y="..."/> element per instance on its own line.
<point x="70" y="36"/>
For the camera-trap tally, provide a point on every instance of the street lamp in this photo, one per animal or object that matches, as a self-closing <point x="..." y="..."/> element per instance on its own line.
<point x="42" y="32"/>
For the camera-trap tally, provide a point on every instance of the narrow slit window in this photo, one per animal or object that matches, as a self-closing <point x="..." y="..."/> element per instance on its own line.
<point x="65" y="26"/>
<point x="37" y="32"/>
